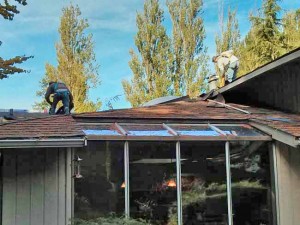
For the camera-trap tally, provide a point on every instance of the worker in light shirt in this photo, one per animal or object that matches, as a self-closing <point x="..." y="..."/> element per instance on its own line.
<point x="228" y="64"/>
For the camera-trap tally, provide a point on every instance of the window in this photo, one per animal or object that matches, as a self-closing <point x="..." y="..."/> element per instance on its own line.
<point x="98" y="193"/>
<point x="204" y="193"/>
<point x="152" y="177"/>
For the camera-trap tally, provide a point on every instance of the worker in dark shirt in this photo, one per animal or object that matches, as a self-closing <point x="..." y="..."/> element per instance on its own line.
<point x="60" y="93"/>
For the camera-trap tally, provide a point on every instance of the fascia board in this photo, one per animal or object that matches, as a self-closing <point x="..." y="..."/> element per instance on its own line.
<point x="277" y="134"/>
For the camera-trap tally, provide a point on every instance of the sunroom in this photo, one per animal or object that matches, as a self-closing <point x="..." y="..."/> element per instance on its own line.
<point x="175" y="172"/>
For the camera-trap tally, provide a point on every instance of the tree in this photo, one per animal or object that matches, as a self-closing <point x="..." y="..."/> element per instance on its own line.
<point x="8" y="11"/>
<point x="77" y="66"/>
<point x="266" y="28"/>
<point x="189" y="64"/>
<point x="150" y="66"/>
<point x="291" y="29"/>
<point x="229" y="37"/>
<point x="265" y="41"/>
<point x="8" y="66"/>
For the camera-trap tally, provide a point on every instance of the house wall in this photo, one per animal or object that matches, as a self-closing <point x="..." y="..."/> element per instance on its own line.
<point x="288" y="174"/>
<point x="36" y="186"/>
<point x="278" y="88"/>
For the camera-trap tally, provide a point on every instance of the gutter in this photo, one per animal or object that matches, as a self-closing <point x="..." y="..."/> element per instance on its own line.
<point x="278" y="135"/>
<point x="43" y="143"/>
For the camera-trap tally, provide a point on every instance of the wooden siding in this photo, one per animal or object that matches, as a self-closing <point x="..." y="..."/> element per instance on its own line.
<point x="35" y="187"/>
<point x="278" y="88"/>
<point x="288" y="174"/>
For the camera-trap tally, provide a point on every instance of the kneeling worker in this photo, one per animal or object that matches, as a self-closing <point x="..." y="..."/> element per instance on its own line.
<point x="60" y="93"/>
<point x="228" y="65"/>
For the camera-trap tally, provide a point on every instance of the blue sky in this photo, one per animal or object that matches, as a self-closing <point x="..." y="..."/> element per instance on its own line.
<point x="112" y="22"/>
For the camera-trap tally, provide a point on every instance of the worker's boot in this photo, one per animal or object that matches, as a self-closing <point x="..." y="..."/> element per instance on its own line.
<point x="51" y="111"/>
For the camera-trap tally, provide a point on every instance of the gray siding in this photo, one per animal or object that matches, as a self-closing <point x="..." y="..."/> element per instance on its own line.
<point x="288" y="174"/>
<point x="278" y="88"/>
<point x="36" y="185"/>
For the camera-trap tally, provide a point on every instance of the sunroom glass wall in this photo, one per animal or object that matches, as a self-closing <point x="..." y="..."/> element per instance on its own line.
<point x="99" y="192"/>
<point x="152" y="176"/>
<point x="251" y="183"/>
<point x="204" y="196"/>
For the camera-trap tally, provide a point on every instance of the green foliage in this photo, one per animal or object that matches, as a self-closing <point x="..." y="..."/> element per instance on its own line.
<point x="150" y="67"/>
<point x="291" y="29"/>
<point x="8" y="66"/>
<point x="198" y="193"/>
<point x="111" y="220"/>
<point x="165" y="66"/>
<point x="265" y="41"/>
<point x="77" y="66"/>
<point x="8" y="10"/>
<point x="229" y="38"/>
<point x="189" y="64"/>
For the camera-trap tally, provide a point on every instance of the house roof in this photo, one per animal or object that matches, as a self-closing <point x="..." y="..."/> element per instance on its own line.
<point x="183" y="111"/>
<point x="49" y="127"/>
<point x="200" y="111"/>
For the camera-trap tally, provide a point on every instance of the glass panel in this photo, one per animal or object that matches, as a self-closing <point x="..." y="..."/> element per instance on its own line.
<point x="204" y="196"/>
<point x="240" y="130"/>
<point x="153" y="182"/>
<point x="98" y="193"/>
<point x="146" y="130"/>
<point x="102" y="129"/>
<point x="194" y="130"/>
<point x="251" y="183"/>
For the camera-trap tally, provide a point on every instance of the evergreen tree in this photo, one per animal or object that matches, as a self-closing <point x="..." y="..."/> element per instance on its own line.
<point x="189" y="65"/>
<point x="150" y="66"/>
<point x="8" y="10"/>
<point x="291" y="29"/>
<point x="265" y="41"/>
<point x="77" y="66"/>
<point x="8" y="66"/>
<point x="266" y="28"/>
<point x="249" y="60"/>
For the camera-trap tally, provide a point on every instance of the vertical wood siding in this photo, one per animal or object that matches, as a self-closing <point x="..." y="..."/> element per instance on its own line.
<point x="278" y="88"/>
<point x="35" y="184"/>
<point x="288" y="165"/>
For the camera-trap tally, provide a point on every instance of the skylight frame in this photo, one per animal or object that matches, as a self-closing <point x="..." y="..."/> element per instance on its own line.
<point x="122" y="131"/>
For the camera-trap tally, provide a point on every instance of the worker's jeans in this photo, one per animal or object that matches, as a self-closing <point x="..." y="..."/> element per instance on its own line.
<point x="64" y="97"/>
<point x="231" y="72"/>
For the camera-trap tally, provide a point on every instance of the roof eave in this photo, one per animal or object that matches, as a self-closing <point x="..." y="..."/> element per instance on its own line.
<point x="43" y="143"/>
<point x="278" y="135"/>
